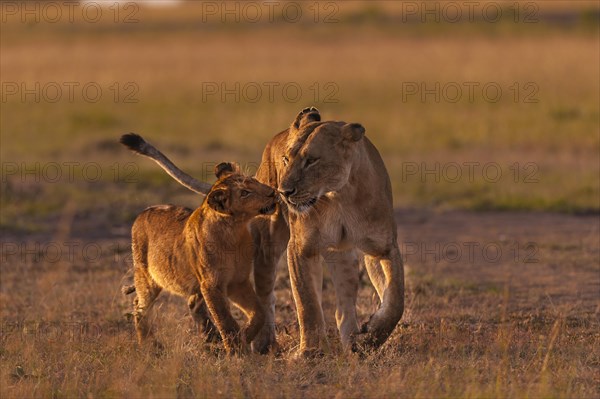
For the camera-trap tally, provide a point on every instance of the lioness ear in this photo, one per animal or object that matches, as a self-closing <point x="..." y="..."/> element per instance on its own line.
<point x="217" y="200"/>
<point x="353" y="131"/>
<point x="226" y="168"/>
<point x="307" y="115"/>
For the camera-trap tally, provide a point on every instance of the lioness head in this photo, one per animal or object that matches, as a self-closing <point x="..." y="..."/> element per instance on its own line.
<point x="239" y="195"/>
<point x="317" y="160"/>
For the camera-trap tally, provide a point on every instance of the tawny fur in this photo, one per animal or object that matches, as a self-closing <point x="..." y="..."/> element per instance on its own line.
<point x="338" y="206"/>
<point x="204" y="255"/>
<point x="339" y="202"/>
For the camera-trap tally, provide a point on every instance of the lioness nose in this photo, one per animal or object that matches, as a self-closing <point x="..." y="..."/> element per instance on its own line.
<point x="288" y="193"/>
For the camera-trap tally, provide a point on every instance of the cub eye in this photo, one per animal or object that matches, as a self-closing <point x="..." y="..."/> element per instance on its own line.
<point x="310" y="161"/>
<point x="244" y="193"/>
<point x="285" y="160"/>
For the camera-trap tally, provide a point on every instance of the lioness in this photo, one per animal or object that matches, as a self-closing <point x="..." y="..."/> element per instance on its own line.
<point x="338" y="201"/>
<point x="203" y="255"/>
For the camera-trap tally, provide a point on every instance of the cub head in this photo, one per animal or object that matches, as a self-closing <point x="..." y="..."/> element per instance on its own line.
<point x="317" y="160"/>
<point x="238" y="195"/>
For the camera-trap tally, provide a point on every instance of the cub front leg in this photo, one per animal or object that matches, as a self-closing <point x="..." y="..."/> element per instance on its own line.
<point x="245" y="298"/>
<point x="218" y="306"/>
<point x="199" y="313"/>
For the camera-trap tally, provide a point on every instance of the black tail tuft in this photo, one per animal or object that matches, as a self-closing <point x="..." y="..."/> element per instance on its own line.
<point x="132" y="141"/>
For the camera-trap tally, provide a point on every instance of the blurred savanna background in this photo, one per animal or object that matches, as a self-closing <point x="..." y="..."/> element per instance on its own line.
<point x="486" y="114"/>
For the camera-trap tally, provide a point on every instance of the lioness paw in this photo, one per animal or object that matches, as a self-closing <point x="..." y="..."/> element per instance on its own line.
<point x="265" y="341"/>
<point x="363" y="343"/>
<point x="307" y="354"/>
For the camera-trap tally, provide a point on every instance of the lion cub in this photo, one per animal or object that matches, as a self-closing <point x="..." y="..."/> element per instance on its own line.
<point x="204" y="255"/>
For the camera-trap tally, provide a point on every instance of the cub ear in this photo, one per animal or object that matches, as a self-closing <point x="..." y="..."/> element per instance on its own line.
<point x="217" y="200"/>
<point x="353" y="131"/>
<point x="307" y="115"/>
<point x="226" y="168"/>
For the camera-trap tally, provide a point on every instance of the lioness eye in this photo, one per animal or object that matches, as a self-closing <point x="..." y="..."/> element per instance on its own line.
<point x="285" y="160"/>
<point x="310" y="161"/>
<point x="244" y="193"/>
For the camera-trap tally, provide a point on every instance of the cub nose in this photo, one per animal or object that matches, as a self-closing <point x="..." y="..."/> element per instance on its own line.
<point x="287" y="192"/>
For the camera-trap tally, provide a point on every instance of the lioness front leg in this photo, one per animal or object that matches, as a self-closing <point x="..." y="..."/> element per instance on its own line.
<point x="343" y="267"/>
<point x="303" y="262"/>
<point x="270" y="241"/>
<point x="245" y="298"/>
<point x="387" y="275"/>
<point x="218" y="307"/>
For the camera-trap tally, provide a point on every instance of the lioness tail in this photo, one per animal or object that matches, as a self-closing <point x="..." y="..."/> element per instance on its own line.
<point x="137" y="144"/>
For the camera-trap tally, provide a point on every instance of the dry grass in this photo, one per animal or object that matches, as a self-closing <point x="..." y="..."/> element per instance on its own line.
<point x="472" y="327"/>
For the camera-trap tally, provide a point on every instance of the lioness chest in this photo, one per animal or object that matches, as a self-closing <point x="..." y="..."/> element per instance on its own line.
<point x="338" y="228"/>
<point x="341" y="227"/>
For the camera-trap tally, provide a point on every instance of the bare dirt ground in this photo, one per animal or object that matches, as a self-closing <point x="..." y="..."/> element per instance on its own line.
<point x="497" y="304"/>
<point x="544" y="261"/>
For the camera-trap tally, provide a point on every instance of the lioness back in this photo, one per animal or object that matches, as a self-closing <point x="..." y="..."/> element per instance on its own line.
<point x="159" y="247"/>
